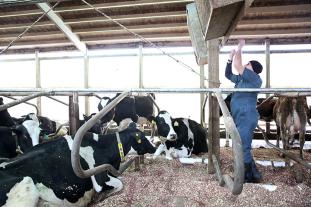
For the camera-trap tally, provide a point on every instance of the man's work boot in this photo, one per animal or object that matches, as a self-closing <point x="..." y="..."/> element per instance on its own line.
<point x="257" y="175"/>
<point x="251" y="174"/>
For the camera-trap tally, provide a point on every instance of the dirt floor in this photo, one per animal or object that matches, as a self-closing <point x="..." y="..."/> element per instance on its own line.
<point x="164" y="183"/>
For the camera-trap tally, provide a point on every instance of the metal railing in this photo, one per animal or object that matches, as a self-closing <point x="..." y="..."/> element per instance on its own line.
<point x="235" y="185"/>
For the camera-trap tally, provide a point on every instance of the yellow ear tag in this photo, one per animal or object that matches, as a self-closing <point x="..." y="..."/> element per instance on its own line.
<point x="176" y="124"/>
<point x="137" y="138"/>
<point x="121" y="152"/>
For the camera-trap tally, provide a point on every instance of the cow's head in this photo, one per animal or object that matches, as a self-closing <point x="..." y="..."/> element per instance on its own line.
<point x="164" y="125"/>
<point x="27" y="134"/>
<point x="140" y="144"/>
<point x="97" y="127"/>
<point x="47" y="126"/>
<point x="103" y="102"/>
<point x="32" y="125"/>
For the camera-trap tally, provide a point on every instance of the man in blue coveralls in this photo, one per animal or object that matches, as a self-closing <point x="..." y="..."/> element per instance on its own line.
<point x="243" y="106"/>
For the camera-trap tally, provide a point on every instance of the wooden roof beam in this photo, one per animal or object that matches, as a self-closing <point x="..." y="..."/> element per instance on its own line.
<point x="273" y="33"/>
<point x="294" y="20"/>
<point x="99" y="6"/>
<point x="63" y="27"/>
<point x="102" y="19"/>
<point x="108" y="40"/>
<point x="279" y="9"/>
<point x="108" y="30"/>
<point x="23" y="2"/>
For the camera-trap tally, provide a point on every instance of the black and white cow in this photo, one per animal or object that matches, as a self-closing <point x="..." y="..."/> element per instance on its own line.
<point x="96" y="128"/>
<point x="131" y="107"/>
<point x="47" y="125"/>
<point x="45" y="175"/>
<point x="5" y="117"/>
<point x="182" y="137"/>
<point x="19" y="138"/>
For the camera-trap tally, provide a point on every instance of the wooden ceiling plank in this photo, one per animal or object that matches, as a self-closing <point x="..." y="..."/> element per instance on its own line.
<point x="297" y="20"/>
<point x="99" y="30"/>
<point x="101" y="19"/>
<point x="99" y="6"/>
<point x="63" y="27"/>
<point x="280" y="9"/>
<point x="267" y="33"/>
<point x="129" y="17"/>
<point x="136" y="28"/>
<point x="122" y="4"/>
<point x="162" y="36"/>
<point x="31" y="34"/>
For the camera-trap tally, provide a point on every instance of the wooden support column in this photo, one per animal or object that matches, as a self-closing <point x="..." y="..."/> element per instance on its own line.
<point x="140" y="59"/>
<point x="73" y="113"/>
<point x="86" y="83"/>
<point x="268" y="85"/>
<point x="202" y="96"/>
<point x="213" y="107"/>
<point x="38" y="81"/>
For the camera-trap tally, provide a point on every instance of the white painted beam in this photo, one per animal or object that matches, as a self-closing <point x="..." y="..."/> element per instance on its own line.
<point x="63" y="27"/>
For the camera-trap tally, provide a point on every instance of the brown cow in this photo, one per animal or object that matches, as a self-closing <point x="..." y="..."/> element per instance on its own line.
<point x="291" y="116"/>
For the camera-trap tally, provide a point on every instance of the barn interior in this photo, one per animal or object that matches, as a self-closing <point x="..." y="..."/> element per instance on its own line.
<point x="30" y="30"/>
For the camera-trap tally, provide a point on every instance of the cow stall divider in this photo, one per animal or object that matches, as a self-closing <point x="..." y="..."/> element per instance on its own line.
<point x="75" y="153"/>
<point x="235" y="184"/>
<point x="35" y="106"/>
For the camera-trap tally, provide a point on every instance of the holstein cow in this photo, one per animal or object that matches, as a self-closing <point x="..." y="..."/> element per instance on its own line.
<point x="291" y="115"/>
<point x="182" y="136"/>
<point x="46" y="125"/>
<point x="44" y="175"/>
<point x="96" y="128"/>
<point x="131" y="107"/>
<point x="19" y="138"/>
<point x="5" y="117"/>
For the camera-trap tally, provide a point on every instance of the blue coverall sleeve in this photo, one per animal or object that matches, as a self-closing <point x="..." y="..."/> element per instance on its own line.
<point x="252" y="78"/>
<point x="229" y="75"/>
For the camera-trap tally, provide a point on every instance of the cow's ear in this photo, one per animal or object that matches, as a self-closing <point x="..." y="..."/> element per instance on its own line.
<point x="151" y="118"/>
<point x="18" y="129"/>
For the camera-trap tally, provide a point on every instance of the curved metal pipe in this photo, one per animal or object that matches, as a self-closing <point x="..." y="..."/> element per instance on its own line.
<point x="156" y="105"/>
<point x="288" y="154"/>
<point x="37" y="110"/>
<point x="14" y="103"/>
<point x="75" y="153"/>
<point x="236" y="185"/>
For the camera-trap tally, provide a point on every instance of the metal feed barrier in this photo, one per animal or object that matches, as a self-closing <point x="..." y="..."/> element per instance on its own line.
<point x="234" y="184"/>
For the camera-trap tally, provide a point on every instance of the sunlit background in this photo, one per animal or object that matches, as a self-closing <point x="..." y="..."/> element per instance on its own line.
<point x="119" y="69"/>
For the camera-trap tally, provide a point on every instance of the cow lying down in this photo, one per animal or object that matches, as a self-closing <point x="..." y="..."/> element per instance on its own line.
<point x="17" y="139"/>
<point x="180" y="136"/>
<point x="44" y="175"/>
